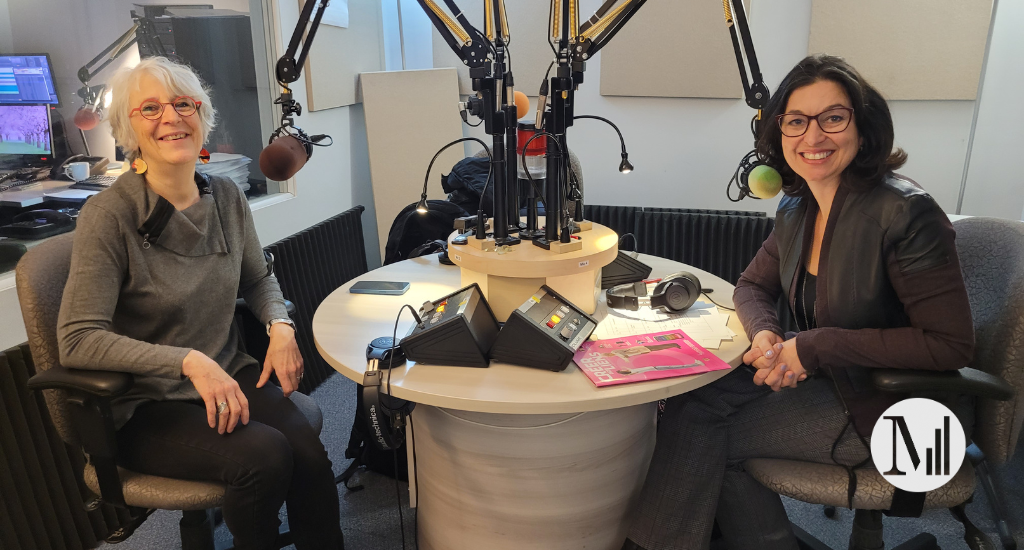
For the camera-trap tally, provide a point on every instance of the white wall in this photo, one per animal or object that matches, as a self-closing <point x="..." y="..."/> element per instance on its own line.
<point x="685" y="150"/>
<point x="336" y="178"/>
<point x="993" y="186"/>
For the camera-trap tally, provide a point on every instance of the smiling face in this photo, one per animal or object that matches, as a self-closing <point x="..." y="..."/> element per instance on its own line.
<point x="817" y="157"/>
<point x="169" y="140"/>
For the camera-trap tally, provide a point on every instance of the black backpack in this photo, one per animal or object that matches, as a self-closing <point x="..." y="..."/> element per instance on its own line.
<point x="465" y="183"/>
<point x="412" y="234"/>
<point x="412" y="229"/>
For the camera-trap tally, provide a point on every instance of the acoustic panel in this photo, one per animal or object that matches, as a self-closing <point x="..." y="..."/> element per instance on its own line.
<point x="678" y="48"/>
<point x="528" y="30"/>
<point x="410" y="115"/>
<point x="338" y="55"/>
<point x="908" y="49"/>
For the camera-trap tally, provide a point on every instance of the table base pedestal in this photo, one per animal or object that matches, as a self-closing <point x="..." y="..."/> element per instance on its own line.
<point x="505" y="481"/>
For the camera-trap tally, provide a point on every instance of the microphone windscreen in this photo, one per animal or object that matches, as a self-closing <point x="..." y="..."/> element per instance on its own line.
<point x="764" y="182"/>
<point x="86" y="119"/>
<point x="522" y="104"/>
<point x="283" y="158"/>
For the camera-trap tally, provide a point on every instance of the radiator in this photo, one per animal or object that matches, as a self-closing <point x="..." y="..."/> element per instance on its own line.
<point x="720" y="244"/>
<point x="41" y="492"/>
<point x="620" y="219"/>
<point x="310" y="265"/>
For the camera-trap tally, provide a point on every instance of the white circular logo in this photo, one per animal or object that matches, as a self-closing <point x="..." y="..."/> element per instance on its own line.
<point x="918" y="445"/>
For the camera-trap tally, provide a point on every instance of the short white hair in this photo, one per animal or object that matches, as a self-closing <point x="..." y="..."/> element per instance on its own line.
<point x="178" y="79"/>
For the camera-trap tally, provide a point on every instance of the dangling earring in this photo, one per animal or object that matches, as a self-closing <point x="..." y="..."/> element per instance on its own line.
<point x="139" y="166"/>
<point x="204" y="156"/>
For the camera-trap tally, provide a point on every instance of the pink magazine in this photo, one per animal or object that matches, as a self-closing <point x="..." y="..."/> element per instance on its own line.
<point x="644" y="357"/>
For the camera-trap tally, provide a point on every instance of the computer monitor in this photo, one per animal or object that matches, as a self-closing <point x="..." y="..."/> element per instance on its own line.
<point x="25" y="137"/>
<point x="27" y="79"/>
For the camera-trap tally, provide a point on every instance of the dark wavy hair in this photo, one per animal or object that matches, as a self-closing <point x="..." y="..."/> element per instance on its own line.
<point x="876" y="157"/>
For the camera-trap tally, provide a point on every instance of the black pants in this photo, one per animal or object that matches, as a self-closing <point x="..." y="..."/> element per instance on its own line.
<point x="277" y="457"/>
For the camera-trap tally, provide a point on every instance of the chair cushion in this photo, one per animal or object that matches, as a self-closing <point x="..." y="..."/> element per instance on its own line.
<point x="147" y="491"/>
<point x="827" y="484"/>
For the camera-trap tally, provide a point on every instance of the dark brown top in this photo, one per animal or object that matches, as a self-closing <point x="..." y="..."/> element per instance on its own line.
<point x="940" y="335"/>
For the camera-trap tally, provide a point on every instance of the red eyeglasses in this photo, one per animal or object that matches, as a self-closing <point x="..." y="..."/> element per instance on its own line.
<point x="153" y="110"/>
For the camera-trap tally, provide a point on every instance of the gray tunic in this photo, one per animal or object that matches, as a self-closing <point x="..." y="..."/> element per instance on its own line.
<point x="138" y="309"/>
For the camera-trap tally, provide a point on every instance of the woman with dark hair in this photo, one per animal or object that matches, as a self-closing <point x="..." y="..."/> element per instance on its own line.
<point x="866" y="261"/>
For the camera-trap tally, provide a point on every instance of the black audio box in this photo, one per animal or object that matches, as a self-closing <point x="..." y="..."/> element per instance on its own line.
<point x="456" y="330"/>
<point x="544" y="332"/>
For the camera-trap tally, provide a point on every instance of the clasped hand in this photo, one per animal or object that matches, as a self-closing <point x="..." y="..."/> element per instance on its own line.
<point x="776" y="361"/>
<point x="216" y="387"/>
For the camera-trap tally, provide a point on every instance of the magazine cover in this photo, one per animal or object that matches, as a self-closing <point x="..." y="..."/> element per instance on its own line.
<point x="644" y="357"/>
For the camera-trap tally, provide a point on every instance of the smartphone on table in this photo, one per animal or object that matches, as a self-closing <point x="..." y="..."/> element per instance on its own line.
<point x="388" y="288"/>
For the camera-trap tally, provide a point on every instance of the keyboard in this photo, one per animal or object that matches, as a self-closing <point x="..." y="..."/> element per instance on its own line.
<point x="95" y="183"/>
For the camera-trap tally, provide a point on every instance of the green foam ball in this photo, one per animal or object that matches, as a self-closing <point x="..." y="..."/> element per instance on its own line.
<point x="764" y="181"/>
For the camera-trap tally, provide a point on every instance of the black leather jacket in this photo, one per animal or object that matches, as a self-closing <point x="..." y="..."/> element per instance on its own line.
<point x="888" y="261"/>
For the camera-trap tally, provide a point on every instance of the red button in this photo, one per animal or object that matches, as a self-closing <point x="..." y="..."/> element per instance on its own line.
<point x="551" y="324"/>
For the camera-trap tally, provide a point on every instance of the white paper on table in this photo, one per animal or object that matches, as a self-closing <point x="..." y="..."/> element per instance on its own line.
<point x="72" y="194"/>
<point x="703" y="322"/>
<point x="336" y="14"/>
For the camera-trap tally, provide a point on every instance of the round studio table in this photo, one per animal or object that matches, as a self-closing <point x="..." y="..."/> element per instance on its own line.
<point x="511" y="457"/>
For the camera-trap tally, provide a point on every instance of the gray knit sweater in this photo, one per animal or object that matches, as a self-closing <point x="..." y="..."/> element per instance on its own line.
<point x="140" y="308"/>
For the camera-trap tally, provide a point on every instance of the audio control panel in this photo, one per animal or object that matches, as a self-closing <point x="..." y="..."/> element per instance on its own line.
<point x="544" y="332"/>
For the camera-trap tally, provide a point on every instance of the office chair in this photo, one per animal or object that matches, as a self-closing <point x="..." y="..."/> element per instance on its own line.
<point x="991" y="254"/>
<point x="79" y="405"/>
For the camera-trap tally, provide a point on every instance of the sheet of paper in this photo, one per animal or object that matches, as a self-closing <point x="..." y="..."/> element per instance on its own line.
<point x="703" y="322"/>
<point x="72" y="194"/>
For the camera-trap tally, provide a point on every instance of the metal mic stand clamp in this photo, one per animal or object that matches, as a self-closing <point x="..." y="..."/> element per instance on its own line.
<point x="574" y="44"/>
<point x="484" y="54"/>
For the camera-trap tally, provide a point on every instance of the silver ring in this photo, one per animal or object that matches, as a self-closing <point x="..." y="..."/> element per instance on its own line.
<point x="300" y="376"/>
<point x="222" y="407"/>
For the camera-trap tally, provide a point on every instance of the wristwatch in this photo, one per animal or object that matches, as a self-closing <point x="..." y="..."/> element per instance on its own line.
<point x="281" y="320"/>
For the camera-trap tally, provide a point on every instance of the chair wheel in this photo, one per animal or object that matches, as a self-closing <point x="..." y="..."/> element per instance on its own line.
<point x="830" y="512"/>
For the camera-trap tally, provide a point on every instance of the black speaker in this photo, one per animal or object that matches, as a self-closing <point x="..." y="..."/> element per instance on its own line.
<point x="458" y="330"/>
<point x="544" y="332"/>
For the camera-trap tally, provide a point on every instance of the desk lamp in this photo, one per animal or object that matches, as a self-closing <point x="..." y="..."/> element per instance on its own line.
<point x="625" y="167"/>
<point x="422" y="208"/>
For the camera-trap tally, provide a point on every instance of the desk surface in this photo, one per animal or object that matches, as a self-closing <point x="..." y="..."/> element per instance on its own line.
<point x="32" y="194"/>
<point x="345" y="323"/>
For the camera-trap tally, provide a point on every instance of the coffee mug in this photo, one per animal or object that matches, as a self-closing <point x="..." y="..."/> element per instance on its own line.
<point x="77" y="171"/>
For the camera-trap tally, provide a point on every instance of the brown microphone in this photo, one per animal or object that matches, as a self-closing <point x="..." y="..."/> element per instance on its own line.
<point x="86" y="118"/>
<point x="284" y="157"/>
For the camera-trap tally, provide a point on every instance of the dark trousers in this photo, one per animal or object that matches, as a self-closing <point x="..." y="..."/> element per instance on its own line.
<point x="277" y="457"/>
<point x="696" y="473"/>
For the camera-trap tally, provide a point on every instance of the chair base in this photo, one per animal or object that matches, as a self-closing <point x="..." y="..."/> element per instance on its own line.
<point x="866" y="535"/>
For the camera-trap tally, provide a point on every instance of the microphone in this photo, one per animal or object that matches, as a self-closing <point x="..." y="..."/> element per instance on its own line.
<point x="522" y="104"/>
<point x="287" y="153"/>
<point x="86" y="118"/>
<point x="755" y="179"/>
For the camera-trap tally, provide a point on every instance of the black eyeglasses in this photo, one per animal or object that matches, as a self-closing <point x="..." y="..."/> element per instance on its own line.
<point x="832" y="121"/>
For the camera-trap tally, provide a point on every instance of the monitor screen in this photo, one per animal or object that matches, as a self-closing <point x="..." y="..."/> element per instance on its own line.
<point x="26" y="79"/>
<point x="25" y="134"/>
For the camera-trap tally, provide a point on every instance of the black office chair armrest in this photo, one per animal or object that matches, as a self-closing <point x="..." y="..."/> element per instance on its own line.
<point x="106" y="384"/>
<point x="241" y="307"/>
<point x="966" y="381"/>
<point x="89" y="396"/>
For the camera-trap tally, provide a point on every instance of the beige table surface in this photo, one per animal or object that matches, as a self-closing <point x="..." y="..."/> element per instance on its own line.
<point x="345" y="323"/>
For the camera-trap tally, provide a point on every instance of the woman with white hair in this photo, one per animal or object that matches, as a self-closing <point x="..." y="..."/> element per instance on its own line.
<point x="157" y="263"/>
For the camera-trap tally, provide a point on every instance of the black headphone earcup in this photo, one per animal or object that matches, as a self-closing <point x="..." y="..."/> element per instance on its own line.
<point x="677" y="292"/>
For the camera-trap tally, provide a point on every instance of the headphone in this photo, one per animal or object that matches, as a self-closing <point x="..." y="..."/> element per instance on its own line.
<point x="674" y="294"/>
<point x="385" y="415"/>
